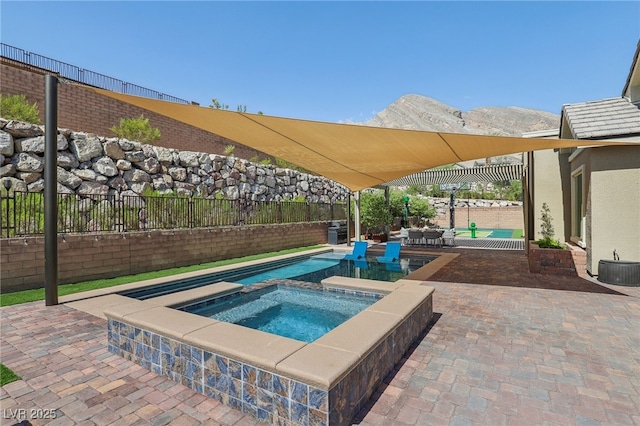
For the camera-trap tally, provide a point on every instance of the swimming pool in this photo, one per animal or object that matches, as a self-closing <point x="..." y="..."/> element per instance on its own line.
<point x="307" y="268"/>
<point x="289" y="311"/>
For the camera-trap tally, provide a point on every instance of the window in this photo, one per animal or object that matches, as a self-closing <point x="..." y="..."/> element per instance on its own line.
<point x="577" y="205"/>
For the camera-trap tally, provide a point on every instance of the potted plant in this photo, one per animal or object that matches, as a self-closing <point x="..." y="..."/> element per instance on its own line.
<point x="548" y="255"/>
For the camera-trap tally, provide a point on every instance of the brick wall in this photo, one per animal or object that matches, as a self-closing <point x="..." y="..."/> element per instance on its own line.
<point x="511" y="217"/>
<point x="88" y="257"/>
<point x="568" y="262"/>
<point x="87" y="111"/>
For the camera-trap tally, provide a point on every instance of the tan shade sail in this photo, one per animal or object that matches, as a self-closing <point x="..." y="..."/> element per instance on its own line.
<point x="356" y="156"/>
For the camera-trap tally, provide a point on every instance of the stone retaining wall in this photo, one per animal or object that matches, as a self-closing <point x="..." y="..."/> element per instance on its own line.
<point x="88" y="257"/>
<point x="94" y="165"/>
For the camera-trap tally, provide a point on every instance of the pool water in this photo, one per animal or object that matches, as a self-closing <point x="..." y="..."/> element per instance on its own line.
<point x="298" y="313"/>
<point x="319" y="267"/>
<point x="312" y="269"/>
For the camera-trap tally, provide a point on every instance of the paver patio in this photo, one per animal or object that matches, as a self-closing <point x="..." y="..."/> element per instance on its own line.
<point x="505" y="347"/>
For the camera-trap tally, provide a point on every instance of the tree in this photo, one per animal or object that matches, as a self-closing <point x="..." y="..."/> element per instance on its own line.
<point x="546" y="227"/>
<point x="217" y="105"/>
<point x="136" y="129"/>
<point x="374" y="211"/>
<point x="16" y="107"/>
<point x="546" y="230"/>
<point x="420" y="207"/>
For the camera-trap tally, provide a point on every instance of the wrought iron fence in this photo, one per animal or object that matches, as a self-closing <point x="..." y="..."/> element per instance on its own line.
<point x="82" y="75"/>
<point x="23" y="213"/>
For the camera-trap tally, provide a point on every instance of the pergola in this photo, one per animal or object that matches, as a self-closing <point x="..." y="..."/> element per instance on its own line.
<point x="495" y="173"/>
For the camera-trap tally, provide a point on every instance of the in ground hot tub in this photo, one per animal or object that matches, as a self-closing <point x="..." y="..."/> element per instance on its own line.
<point x="276" y="379"/>
<point x="619" y="272"/>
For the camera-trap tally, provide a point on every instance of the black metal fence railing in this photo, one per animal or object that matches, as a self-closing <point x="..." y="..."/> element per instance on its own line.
<point x="82" y="75"/>
<point x="23" y="213"/>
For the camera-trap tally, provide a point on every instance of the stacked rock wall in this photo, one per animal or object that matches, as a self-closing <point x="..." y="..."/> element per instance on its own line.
<point x="90" y="164"/>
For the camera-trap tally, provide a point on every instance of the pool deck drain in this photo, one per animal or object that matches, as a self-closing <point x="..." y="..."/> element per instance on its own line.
<point x="507" y="347"/>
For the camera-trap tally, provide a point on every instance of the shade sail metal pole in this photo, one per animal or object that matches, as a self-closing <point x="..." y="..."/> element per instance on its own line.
<point x="50" y="189"/>
<point x="356" y="214"/>
<point x="349" y="219"/>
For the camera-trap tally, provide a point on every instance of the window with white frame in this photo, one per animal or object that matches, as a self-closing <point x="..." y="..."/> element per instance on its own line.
<point x="577" y="205"/>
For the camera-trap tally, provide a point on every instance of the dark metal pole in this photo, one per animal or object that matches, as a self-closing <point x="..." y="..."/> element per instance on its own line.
<point x="50" y="190"/>
<point x="349" y="219"/>
<point x="452" y="212"/>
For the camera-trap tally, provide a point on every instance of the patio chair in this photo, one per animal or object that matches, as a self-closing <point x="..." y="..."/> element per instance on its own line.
<point x="415" y="236"/>
<point x="359" y="251"/>
<point x="391" y="253"/>
<point x="433" y="235"/>
<point x="449" y="236"/>
<point x="404" y="236"/>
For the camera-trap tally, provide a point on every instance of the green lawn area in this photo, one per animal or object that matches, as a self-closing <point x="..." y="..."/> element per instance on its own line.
<point x="25" y="296"/>
<point x="6" y="375"/>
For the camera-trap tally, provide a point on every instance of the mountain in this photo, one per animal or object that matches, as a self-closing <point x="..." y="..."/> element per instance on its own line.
<point x="416" y="112"/>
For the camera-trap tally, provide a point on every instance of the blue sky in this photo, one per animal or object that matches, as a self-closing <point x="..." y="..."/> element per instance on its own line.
<point x="342" y="61"/>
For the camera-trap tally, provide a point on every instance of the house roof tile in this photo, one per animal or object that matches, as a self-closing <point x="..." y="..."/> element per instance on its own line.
<point x="603" y="118"/>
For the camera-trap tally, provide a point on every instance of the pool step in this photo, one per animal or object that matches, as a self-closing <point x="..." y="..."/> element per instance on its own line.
<point x="196" y="294"/>
<point x="360" y="284"/>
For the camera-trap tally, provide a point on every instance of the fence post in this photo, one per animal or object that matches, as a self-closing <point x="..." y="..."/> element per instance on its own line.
<point x="7" y="186"/>
<point x="190" y="211"/>
<point x="119" y="204"/>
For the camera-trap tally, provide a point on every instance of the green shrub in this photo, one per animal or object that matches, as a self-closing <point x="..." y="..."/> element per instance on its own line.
<point x="16" y="107"/>
<point x="551" y="243"/>
<point x="136" y="129"/>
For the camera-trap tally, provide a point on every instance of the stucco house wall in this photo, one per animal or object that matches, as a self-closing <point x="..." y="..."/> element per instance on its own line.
<point x="546" y="178"/>
<point x="614" y="212"/>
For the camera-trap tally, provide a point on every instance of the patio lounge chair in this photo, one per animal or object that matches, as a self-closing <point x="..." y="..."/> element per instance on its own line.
<point x="391" y="253"/>
<point x="359" y="251"/>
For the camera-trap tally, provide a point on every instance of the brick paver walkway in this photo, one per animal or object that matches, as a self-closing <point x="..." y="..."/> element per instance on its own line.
<point x="506" y="347"/>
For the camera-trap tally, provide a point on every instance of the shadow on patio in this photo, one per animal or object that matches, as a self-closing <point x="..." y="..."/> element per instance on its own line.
<point x="500" y="268"/>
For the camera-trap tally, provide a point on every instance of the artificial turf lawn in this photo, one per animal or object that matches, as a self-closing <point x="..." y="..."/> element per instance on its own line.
<point x="6" y="375"/>
<point x="466" y="233"/>
<point x="25" y="296"/>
